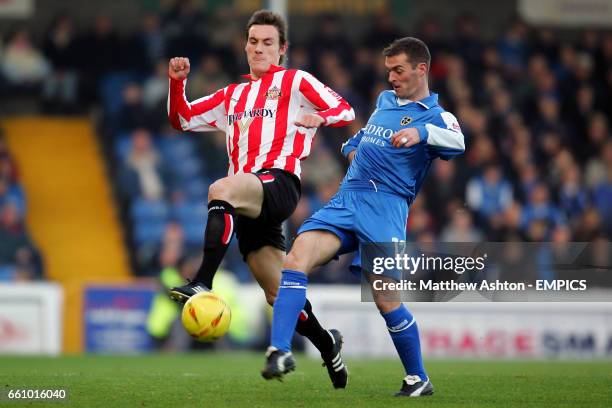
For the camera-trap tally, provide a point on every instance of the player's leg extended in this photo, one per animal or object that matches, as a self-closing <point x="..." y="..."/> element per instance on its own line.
<point x="404" y="332"/>
<point x="240" y="194"/>
<point x="266" y="264"/>
<point x="382" y="218"/>
<point x="311" y="249"/>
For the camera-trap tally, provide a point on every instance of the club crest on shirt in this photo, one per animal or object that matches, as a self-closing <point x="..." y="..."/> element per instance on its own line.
<point x="273" y="93"/>
<point x="405" y="120"/>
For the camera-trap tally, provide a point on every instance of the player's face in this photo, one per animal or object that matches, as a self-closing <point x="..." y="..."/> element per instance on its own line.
<point x="263" y="48"/>
<point x="405" y="79"/>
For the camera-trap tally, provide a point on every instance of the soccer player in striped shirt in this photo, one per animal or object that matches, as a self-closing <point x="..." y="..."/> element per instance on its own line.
<point x="269" y="122"/>
<point x="389" y="158"/>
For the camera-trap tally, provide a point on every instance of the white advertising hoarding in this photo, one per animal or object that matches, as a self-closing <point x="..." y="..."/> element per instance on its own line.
<point x="16" y="8"/>
<point x="560" y="330"/>
<point x="31" y="318"/>
<point x="567" y="13"/>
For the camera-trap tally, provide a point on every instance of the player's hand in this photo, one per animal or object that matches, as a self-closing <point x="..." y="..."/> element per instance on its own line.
<point x="178" y="68"/>
<point x="351" y="155"/>
<point x="405" y="137"/>
<point x="310" y="120"/>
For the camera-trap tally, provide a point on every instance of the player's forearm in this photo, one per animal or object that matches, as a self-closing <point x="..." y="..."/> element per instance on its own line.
<point x="201" y="115"/>
<point x="177" y="104"/>
<point x="341" y="115"/>
<point x="441" y="138"/>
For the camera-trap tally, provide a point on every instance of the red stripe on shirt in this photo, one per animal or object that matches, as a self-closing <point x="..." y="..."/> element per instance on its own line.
<point x="280" y="128"/>
<point x="254" y="138"/>
<point x="325" y="110"/>
<point x="228" y="95"/>
<point x="204" y="106"/>
<point x="313" y="96"/>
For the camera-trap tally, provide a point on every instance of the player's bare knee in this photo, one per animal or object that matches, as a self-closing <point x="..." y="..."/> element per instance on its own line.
<point x="271" y="296"/>
<point x="220" y="190"/>
<point x="385" y="306"/>
<point x="295" y="261"/>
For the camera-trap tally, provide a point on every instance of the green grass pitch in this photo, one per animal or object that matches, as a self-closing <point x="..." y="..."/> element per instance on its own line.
<point x="232" y="380"/>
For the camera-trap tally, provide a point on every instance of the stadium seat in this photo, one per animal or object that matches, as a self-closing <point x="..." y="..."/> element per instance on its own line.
<point x="190" y="212"/>
<point x="148" y="232"/>
<point x="194" y="233"/>
<point x="145" y="210"/>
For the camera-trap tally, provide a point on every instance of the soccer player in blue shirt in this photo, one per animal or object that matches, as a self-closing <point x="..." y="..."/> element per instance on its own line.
<point x="389" y="159"/>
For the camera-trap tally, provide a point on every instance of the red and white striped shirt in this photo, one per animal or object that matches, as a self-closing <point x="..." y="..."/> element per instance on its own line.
<point x="258" y="117"/>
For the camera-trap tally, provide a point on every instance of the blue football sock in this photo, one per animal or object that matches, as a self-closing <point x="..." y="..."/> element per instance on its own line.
<point x="405" y="335"/>
<point x="289" y="302"/>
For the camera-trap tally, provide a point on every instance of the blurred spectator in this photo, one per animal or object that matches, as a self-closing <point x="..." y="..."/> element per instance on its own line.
<point x="8" y="167"/>
<point x="573" y="197"/>
<point x="445" y="185"/>
<point x="299" y="58"/>
<point x="540" y="215"/>
<point x="597" y="167"/>
<point x="468" y="41"/>
<point x="185" y="27"/>
<point x="206" y="78"/>
<point x="383" y="31"/>
<point x="513" y="49"/>
<point x="18" y="257"/>
<point x="144" y="174"/>
<point x="461" y="229"/>
<point x="60" y="90"/>
<point x="602" y="198"/>
<point x="155" y="89"/>
<point x="148" y="45"/>
<point x="329" y="37"/>
<point x="133" y="113"/>
<point x="99" y="51"/>
<point x="12" y="193"/>
<point x="489" y="195"/>
<point x="23" y="64"/>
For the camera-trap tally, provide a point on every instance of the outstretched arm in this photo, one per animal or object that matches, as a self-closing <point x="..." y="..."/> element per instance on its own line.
<point x="200" y="115"/>
<point x="443" y="136"/>
<point x="332" y="109"/>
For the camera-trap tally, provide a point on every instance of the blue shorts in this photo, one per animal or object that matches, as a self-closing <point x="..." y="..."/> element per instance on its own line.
<point x="360" y="216"/>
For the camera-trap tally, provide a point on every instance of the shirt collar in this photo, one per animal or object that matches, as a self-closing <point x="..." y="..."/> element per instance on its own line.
<point x="273" y="68"/>
<point x="426" y="103"/>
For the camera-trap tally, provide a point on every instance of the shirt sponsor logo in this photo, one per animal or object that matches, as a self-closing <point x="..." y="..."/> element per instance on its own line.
<point x="250" y="114"/>
<point x="379" y="131"/>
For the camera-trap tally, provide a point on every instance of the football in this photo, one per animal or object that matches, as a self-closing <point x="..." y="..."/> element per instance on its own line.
<point x="206" y="316"/>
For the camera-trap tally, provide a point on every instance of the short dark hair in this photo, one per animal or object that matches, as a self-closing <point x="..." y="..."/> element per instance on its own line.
<point x="267" y="17"/>
<point x="415" y="49"/>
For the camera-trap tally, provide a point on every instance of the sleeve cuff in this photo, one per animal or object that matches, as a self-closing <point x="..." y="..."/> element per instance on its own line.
<point x="423" y="133"/>
<point x="347" y="149"/>
<point x="322" y="117"/>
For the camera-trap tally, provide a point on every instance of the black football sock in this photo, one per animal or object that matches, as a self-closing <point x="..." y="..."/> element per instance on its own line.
<point x="309" y="327"/>
<point x="219" y="231"/>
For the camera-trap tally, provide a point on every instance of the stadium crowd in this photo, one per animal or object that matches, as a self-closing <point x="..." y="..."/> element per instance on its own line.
<point x="19" y="257"/>
<point x="533" y="108"/>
